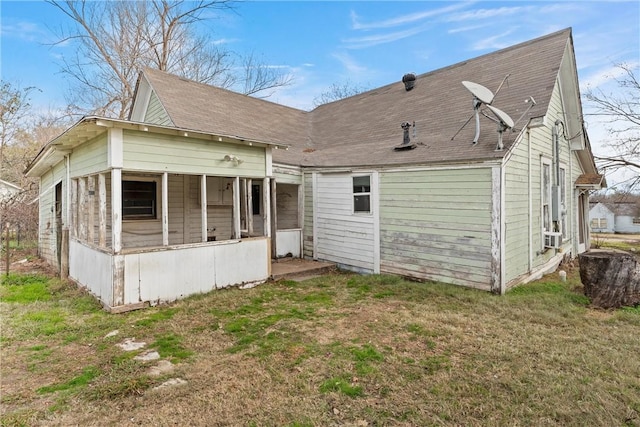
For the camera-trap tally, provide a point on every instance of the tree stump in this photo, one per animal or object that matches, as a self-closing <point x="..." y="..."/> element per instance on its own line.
<point x="610" y="279"/>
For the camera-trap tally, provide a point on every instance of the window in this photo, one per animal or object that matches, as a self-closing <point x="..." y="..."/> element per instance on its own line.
<point x="636" y="220"/>
<point x="598" y="223"/>
<point x="139" y="200"/>
<point x="563" y="204"/>
<point x="256" y="197"/>
<point x="362" y="193"/>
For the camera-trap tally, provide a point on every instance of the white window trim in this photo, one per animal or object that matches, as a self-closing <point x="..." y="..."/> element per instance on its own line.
<point x="369" y="193"/>
<point x="146" y="178"/>
<point x="545" y="161"/>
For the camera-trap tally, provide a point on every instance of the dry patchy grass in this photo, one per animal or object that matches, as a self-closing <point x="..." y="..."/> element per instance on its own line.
<point x="338" y="350"/>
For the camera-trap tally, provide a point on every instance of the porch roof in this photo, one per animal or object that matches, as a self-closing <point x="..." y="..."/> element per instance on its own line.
<point x="90" y="127"/>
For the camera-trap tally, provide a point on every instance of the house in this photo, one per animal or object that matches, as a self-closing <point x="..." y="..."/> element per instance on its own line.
<point x="615" y="217"/>
<point x="8" y="190"/>
<point x="388" y="181"/>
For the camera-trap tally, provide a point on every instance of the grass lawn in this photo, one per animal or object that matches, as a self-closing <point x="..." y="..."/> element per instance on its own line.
<point x="342" y="349"/>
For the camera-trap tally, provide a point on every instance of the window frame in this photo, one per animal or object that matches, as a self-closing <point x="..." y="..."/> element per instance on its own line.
<point x="154" y="216"/>
<point x="546" y="224"/>
<point x="355" y="194"/>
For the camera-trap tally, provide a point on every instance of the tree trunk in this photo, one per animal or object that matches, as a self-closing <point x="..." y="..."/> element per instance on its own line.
<point x="610" y="279"/>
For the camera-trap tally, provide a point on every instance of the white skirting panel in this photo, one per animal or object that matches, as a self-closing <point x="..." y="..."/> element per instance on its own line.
<point x="91" y="269"/>
<point x="288" y="243"/>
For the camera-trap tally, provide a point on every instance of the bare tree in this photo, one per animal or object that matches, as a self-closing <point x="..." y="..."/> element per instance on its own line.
<point x="338" y="91"/>
<point x="14" y="109"/>
<point x="115" y="40"/>
<point x="622" y="113"/>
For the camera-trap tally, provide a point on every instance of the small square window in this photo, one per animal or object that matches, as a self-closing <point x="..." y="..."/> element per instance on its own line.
<point x="362" y="193"/>
<point x="139" y="200"/>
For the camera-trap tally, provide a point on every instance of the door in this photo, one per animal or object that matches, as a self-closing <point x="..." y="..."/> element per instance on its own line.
<point x="58" y="222"/>
<point x="583" y="232"/>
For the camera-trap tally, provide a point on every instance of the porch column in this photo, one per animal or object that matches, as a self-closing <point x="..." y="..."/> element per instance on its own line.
<point x="274" y="219"/>
<point x="74" y="208"/>
<point x="116" y="210"/>
<point x="102" y="210"/>
<point x="266" y="205"/>
<point x="250" y="207"/>
<point x="236" y="208"/>
<point x="82" y="206"/>
<point x="91" y="209"/>
<point x="203" y="206"/>
<point x="165" y="209"/>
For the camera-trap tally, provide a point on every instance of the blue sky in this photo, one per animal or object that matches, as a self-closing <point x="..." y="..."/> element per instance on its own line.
<point x="371" y="43"/>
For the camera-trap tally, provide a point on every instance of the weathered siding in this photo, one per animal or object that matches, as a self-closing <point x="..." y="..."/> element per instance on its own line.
<point x="145" y="151"/>
<point x="307" y="231"/>
<point x="523" y="179"/>
<point x="436" y="225"/>
<point x="287" y="174"/>
<point x="343" y="237"/>
<point x="47" y="230"/>
<point x="90" y="157"/>
<point x="287" y="206"/>
<point x="156" y="113"/>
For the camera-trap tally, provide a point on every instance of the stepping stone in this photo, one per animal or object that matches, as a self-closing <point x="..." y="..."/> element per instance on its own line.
<point x="163" y="367"/>
<point x="173" y="382"/>
<point x="148" y="356"/>
<point x="112" y="334"/>
<point x="130" y="344"/>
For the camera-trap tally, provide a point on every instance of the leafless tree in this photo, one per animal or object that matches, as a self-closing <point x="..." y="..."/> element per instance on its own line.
<point x="338" y="91"/>
<point x="14" y="109"/>
<point x="115" y="40"/>
<point x="621" y="111"/>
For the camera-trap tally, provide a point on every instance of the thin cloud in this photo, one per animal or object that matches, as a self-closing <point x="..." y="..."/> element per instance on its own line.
<point x="604" y="76"/>
<point x="223" y="41"/>
<point x="349" y="63"/>
<point x="24" y="30"/>
<point x="478" y="14"/>
<point x="493" y="42"/>
<point x="468" y="28"/>
<point x="356" y="24"/>
<point x="376" y="39"/>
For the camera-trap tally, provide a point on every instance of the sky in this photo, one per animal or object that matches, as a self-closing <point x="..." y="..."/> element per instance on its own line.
<point x="369" y="43"/>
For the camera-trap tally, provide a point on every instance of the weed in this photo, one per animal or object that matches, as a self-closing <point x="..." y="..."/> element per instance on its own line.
<point x="161" y="315"/>
<point x="170" y="346"/>
<point x="342" y="386"/>
<point x="87" y="375"/>
<point x="24" y="289"/>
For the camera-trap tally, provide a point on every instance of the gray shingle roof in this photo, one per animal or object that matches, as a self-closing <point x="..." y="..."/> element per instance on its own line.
<point x="363" y="129"/>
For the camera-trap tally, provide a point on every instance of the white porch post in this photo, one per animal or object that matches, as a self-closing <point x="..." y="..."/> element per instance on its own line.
<point x="102" y="210"/>
<point x="116" y="209"/>
<point x="266" y="205"/>
<point x="236" y="208"/>
<point x="274" y="220"/>
<point x="250" y="207"/>
<point x="91" y="209"/>
<point x="203" y="206"/>
<point x="74" y="208"/>
<point x="82" y="206"/>
<point x="165" y="209"/>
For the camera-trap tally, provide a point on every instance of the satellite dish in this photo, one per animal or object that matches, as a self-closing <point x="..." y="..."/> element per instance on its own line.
<point x="479" y="91"/>
<point x="502" y="116"/>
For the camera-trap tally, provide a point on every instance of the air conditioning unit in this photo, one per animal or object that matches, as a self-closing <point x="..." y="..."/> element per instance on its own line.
<point x="552" y="240"/>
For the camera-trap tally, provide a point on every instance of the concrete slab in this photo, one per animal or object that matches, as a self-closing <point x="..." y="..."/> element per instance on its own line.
<point x="297" y="268"/>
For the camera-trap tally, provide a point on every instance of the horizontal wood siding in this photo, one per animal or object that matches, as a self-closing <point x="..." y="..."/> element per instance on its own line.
<point x="90" y="157"/>
<point x="145" y="151"/>
<point x="287" y="175"/>
<point x="436" y="225"/>
<point x="156" y="113"/>
<point x="307" y="231"/>
<point x="343" y="237"/>
<point x="287" y="206"/>
<point x="47" y="234"/>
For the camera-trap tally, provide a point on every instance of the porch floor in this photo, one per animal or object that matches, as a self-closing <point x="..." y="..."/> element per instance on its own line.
<point x="298" y="269"/>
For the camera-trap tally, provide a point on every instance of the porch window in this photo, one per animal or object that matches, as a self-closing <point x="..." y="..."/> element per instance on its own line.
<point x="139" y="200"/>
<point x="362" y="193"/>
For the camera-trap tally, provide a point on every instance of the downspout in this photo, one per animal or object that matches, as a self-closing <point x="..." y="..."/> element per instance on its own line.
<point x="530" y="201"/>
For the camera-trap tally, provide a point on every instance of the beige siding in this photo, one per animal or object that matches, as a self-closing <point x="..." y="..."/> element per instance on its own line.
<point x="287" y="174"/>
<point x="158" y="153"/>
<point x="90" y="157"/>
<point x="156" y="113"/>
<point x="436" y="225"/>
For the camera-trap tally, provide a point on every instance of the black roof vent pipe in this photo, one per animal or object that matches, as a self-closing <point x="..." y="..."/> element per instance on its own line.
<point x="409" y="81"/>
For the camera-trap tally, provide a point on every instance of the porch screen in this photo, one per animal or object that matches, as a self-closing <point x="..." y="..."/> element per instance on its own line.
<point x="138" y="199"/>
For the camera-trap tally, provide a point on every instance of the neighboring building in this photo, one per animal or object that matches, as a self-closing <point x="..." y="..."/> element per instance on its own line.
<point x="8" y="190"/>
<point x="615" y="217"/>
<point x="352" y="186"/>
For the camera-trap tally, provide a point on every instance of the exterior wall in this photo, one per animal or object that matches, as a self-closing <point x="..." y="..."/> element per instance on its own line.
<point x="436" y="225"/>
<point x="92" y="269"/>
<point x="153" y="276"/>
<point x="307" y="226"/>
<point x="342" y="236"/>
<point x="90" y="157"/>
<point x="144" y="151"/>
<point x="601" y="211"/>
<point x="524" y="244"/>
<point x="287" y="206"/>
<point x="624" y="224"/>
<point x="156" y="113"/>
<point x="47" y="230"/>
